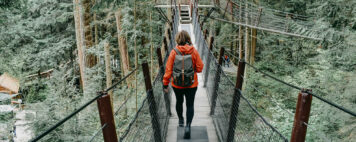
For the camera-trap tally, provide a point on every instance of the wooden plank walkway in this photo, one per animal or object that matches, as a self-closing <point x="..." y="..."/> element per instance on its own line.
<point x="201" y="108"/>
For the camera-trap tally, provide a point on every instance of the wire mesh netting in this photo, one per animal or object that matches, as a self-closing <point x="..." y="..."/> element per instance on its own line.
<point x="140" y="128"/>
<point x="251" y="126"/>
<point x="143" y="124"/>
<point x="254" y="16"/>
<point x="321" y="125"/>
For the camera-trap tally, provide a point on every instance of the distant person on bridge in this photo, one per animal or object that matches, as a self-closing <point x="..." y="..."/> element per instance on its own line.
<point x="183" y="64"/>
<point x="227" y="61"/>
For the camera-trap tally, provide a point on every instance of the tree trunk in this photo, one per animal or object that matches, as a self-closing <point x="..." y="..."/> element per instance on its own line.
<point x="96" y="38"/>
<point x="108" y="70"/>
<point x="122" y="46"/>
<point x="78" y="20"/>
<point x="247" y="37"/>
<point x="253" y="45"/>
<point x="90" y="58"/>
<point x="167" y="39"/>
<point x="151" y="47"/>
<point x="240" y="34"/>
<point x="108" y="67"/>
<point x="136" y="56"/>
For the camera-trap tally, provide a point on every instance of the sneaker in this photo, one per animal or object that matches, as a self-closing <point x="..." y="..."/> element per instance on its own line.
<point x="187" y="132"/>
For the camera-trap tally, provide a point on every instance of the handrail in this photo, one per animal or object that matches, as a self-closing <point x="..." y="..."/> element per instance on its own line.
<point x="306" y="91"/>
<point x="100" y="94"/>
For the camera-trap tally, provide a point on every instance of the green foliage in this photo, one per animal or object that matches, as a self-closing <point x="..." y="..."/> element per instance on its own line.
<point x="39" y="35"/>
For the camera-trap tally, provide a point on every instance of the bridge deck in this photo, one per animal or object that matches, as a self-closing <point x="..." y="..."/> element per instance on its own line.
<point x="201" y="111"/>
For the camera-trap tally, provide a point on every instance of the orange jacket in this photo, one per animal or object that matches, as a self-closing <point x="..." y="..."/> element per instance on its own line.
<point x="197" y="64"/>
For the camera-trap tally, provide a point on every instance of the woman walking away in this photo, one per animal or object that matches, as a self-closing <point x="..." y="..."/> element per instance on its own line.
<point x="183" y="64"/>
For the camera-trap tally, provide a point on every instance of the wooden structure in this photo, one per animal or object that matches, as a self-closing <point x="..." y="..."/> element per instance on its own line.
<point x="9" y="85"/>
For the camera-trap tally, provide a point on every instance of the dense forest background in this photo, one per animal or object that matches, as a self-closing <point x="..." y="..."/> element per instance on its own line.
<point x="39" y="36"/>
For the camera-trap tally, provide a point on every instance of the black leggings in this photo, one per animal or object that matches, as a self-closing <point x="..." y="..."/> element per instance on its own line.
<point x="189" y="94"/>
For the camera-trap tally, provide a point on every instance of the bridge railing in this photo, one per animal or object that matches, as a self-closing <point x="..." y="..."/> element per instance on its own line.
<point x="229" y="108"/>
<point x="147" y="121"/>
<point x="150" y="123"/>
<point x="104" y="109"/>
<point x="323" y="118"/>
<point x="254" y="16"/>
<point x="250" y="124"/>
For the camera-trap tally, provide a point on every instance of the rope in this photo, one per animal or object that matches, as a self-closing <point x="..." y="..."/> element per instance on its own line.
<point x="275" y="102"/>
<point x="121" y="106"/>
<point x="132" y="121"/>
<point x="67" y="118"/>
<point x="97" y="132"/>
<point x="306" y="91"/>
<point x="113" y="86"/>
<point x="272" y="22"/>
<point x="263" y="119"/>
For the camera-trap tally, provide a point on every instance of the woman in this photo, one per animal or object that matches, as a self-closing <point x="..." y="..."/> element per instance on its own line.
<point x="184" y="47"/>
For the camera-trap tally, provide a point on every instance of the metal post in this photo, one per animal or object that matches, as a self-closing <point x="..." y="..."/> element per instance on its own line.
<point x="107" y="118"/>
<point x="203" y="56"/>
<point x="171" y="26"/>
<point x="206" y="32"/>
<point x="159" y="55"/>
<point x="301" y="117"/>
<point x="165" y="45"/>
<point x="166" y="95"/>
<point x="207" y="64"/>
<point x="235" y="102"/>
<point x="170" y="41"/>
<point x="152" y="103"/>
<point x="180" y="9"/>
<point x="216" y="83"/>
<point x="191" y="8"/>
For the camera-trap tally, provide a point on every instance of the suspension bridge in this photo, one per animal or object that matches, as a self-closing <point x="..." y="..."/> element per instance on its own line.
<point x="222" y="112"/>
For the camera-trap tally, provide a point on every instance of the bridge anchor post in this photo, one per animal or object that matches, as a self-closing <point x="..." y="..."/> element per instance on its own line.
<point x="107" y="118"/>
<point x="301" y="117"/>
<point x="216" y="82"/>
<point x="236" y="101"/>
<point x="161" y="69"/>
<point x="152" y="103"/>
<point x="207" y="66"/>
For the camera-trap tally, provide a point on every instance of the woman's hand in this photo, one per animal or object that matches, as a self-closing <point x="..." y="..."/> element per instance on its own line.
<point x="165" y="90"/>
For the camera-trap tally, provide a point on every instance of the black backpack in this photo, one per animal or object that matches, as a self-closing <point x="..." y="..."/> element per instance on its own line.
<point x="183" y="71"/>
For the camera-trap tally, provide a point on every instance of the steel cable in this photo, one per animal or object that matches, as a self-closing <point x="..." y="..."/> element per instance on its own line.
<point x="306" y="91"/>
<point x="97" y="132"/>
<point x="79" y="109"/>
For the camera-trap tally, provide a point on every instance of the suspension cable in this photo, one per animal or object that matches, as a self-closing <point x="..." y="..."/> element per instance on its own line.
<point x="97" y="132"/>
<point x="306" y="91"/>
<point x="263" y="119"/>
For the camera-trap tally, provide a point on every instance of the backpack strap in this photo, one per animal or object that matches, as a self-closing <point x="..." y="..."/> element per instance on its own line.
<point x="177" y="51"/>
